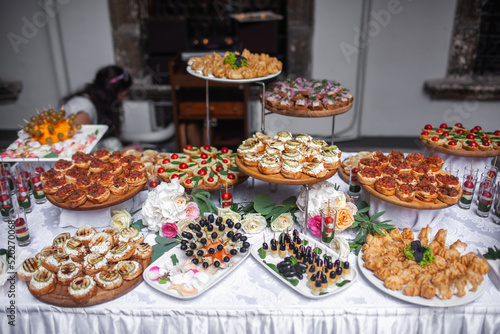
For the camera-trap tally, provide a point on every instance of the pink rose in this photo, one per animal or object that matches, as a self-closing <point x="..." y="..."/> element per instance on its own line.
<point x="314" y="224"/>
<point x="169" y="230"/>
<point x="192" y="211"/>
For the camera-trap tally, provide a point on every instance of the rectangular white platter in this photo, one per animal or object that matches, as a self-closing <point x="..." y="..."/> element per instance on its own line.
<point x="214" y="279"/>
<point x="71" y="145"/>
<point x="302" y="287"/>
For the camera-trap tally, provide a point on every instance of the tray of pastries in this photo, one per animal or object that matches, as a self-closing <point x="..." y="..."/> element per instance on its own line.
<point x="87" y="268"/>
<point x="308" y="98"/>
<point x="413" y="181"/>
<point x="461" y="141"/>
<point x="444" y="276"/>
<point x="235" y="67"/>
<point x="90" y="182"/>
<point x="207" y="165"/>
<point x="286" y="159"/>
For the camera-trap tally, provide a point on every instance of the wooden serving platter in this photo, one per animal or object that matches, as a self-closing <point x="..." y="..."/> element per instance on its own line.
<point x="60" y="296"/>
<point x="415" y="204"/>
<point x="310" y="113"/>
<point x="461" y="152"/>
<point x="278" y="178"/>
<point x="88" y="205"/>
<point x="343" y="175"/>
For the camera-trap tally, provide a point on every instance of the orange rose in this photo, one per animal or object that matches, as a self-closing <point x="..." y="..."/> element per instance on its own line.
<point x="344" y="219"/>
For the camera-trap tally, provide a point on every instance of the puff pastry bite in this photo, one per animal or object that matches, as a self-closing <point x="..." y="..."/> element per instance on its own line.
<point x="102" y="154"/>
<point x="119" y="186"/>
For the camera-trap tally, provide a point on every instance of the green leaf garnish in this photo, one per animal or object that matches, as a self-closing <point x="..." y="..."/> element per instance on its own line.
<point x="262" y="253"/>
<point x="174" y="258"/>
<point x="341" y="284"/>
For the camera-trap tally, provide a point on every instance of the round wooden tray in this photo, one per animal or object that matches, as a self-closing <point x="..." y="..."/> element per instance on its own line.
<point x="462" y="152"/>
<point x="88" y="205"/>
<point x="310" y="113"/>
<point x="278" y="178"/>
<point x="415" y="204"/>
<point x="60" y="296"/>
<point x="201" y="76"/>
<point x="342" y="174"/>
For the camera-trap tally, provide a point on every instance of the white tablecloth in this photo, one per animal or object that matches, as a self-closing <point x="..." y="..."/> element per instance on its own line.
<point x="251" y="300"/>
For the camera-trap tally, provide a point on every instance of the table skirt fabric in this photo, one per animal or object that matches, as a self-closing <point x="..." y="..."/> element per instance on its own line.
<point x="251" y="300"/>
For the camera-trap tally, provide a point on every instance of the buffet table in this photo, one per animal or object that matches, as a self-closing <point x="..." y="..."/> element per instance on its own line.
<point x="250" y="299"/>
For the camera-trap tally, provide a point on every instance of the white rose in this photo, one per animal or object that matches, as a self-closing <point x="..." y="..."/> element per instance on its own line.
<point x="181" y="202"/>
<point x="283" y="222"/>
<point x="352" y="207"/>
<point x="340" y="246"/>
<point x="253" y="223"/>
<point x="121" y="219"/>
<point x="227" y="213"/>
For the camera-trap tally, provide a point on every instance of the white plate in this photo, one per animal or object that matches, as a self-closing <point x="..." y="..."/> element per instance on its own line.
<point x="214" y="279"/>
<point x="193" y="73"/>
<point x="80" y="137"/>
<point x="434" y="302"/>
<point x="302" y="287"/>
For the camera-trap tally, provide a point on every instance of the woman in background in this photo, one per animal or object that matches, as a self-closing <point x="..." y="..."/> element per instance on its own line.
<point x="100" y="101"/>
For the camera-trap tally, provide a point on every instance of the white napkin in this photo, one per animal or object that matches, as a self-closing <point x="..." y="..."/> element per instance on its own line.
<point x="494" y="272"/>
<point x="78" y="219"/>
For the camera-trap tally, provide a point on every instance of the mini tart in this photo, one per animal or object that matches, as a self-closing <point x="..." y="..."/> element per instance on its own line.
<point x="101" y="243"/>
<point x="116" y="156"/>
<point x="191" y="151"/>
<point x="129" y="269"/>
<point x="119" y="186"/>
<point x="314" y="169"/>
<point x="369" y="175"/>
<point x="63" y="193"/>
<point x="268" y="165"/>
<point x="406" y="178"/>
<point x="179" y="175"/>
<point x="330" y="159"/>
<point x="81" y="289"/>
<point x="77" y="198"/>
<point x="63" y="165"/>
<point x="437" y="140"/>
<point x="453" y="145"/>
<point x="179" y="158"/>
<point x="121" y="251"/>
<point x="142" y="251"/>
<point x="252" y="159"/>
<point x="293" y="144"/>
<point x="60" y="239"/>
<point x="448" y="195"/>
<point x="434" y="161"/>
<point x="388" y="171"/>
<point x="29" y="268"/>
<point x="405" y="192"/>
<point x="131" y="235"/>
<point x="52" y="185"/>
<point x="485" y="146"/>
<point x="51" y="174"/>
<point x="55" y="261"/>
<point x="229" y="152"/>
<point x="189" y="182"/>
<point x="85" y="234"/>
<point x="400" y="166"/>
<point x="102" y="154"/>
<point x="210" y="150"/>
<point x="283" y="136"/>
<point x="98" y="194"/>
<point x="291" y="169"/>
<point x="104" y="178"/>
<point x="94" y="263"/>
<point x="448" y="181"/>
<point x="75" y="249"/>
<point x="211" y="179"/>
<point x="426" y="192"/>
<point x="420" y="170"/>
<point x="470" y="145"/>
<point x="386" y="185"/>
<point x="74" y="173"/>
<point x="96" y="166"/>
<point x="303" y="138"/>
<point x="68" y="272"/>
<point x="81" y="160"/>
<point x="368" y="162"/>
<point x="413" y="157"/>
<point x="83" y="183"/>
<point x="136" y="178"/>
<point x="109" y="279"/>
<point x="396" y="155"/>
<point x="42" y="282"/>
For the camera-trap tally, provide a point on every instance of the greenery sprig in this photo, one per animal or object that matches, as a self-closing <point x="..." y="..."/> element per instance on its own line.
<point x="264" y="205"/>
<point x="202" y="199"/>
<point x="493" y="254"/>
<point x="366" y="225"/>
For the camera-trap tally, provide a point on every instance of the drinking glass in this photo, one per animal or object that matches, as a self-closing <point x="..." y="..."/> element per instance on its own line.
<point x="328" y="219"/>
<point x="496" y="206"/>
<point x="22" y="194"/>
<point x="18" y="215"/>
<point x="5" y="199"/>
<point x="354" y="186"/>
<point x="485" y="197"/>
<point x="38" y="192"/>
<point x="468" y="188"/>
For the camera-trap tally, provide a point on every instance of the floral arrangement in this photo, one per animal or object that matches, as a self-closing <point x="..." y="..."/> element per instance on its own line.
<point x="167" y="204"/>
<point x="320" y="194"/>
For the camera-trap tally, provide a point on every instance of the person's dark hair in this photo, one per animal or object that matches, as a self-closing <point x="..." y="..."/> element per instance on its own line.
<point x="103" y="92"/>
